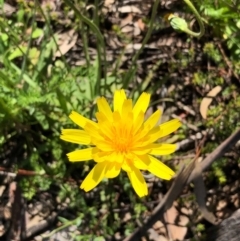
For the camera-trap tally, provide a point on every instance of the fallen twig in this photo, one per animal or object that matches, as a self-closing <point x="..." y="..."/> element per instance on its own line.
<point x="218" y="152"/>
<point x="17" y="229"/>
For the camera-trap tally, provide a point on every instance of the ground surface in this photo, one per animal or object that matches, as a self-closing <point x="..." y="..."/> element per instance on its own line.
<point x="178" y="70"/>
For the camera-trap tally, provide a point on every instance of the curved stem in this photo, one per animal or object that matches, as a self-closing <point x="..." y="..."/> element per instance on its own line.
<point x="181" y="24"/>
<point x="198" y="17"/>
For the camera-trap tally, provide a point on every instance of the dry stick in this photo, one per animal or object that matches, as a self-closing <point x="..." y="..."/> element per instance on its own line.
<point x="218" y="152"/>
<point x="227" y="230"/>
<point x="227" y="61"/>
<point x="200" y="193"/>
<point x="18" y="225"/>
<point x="41" y="226"/>
<point x="21" y="172"/>
<point x="184" y="177"/>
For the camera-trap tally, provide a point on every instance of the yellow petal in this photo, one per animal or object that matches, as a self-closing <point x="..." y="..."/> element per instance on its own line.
<point x="101" y="117"/>
<point x="106" y="131"/>
<point x="112" y="170"/>
<point x="94" y="177"/>
<point x="116" y="116"/>
<point x="82" y="155"/>
<point x="101" y="156"/>
<point x="124" y="127"/>
<point x="169" y="127"/>
<point x="93" y="131"/>
<point x="138" y="122"/>
<point x="152" y="120"/>
<point x="76" y="136"/>
<point x="126" y="108"/>
<point x="138" y="182"/>
<point x="159" y="169"/>
<point x="104" y="108"/>
<point x="141" y="135"/>
<point x="162" y="149"/>
<point x="79" y="119"/>
<point x="119" y="97"/>
<point x="103" y="145"/>
<point x="147" y="129"/>
<point x="128" y="121"/>
<point x="141" y="162"/>
<point x="152" y="135"/>
<point x="126" y="165"/>
<point x="116" y="157"/>
<point x="141" y="104"/>
<point x="162" y="130"/>
<point x="141" y="150"/>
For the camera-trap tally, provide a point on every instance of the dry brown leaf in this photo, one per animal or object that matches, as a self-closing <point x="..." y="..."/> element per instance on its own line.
<point x="127" y="217"/>
<point x="200" y="193"/>
<point x="158" y="225"/>
<point x="127" y="29"/>
<point x="153" y="235"/>
<point x="208" y="100"/>
<point x="126" y="21"/>
<point x="66" y="41"/>
<point x="129" y="9"/>
<point x="141" y="24"/>
<point x="137" y="30"/>
<point x="7" y="9"/>
<point x="108" y="3"/>
<point x="176" y="231"/>
<point x="49" y="5"/>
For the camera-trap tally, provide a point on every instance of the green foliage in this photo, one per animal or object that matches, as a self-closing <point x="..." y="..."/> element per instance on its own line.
<point x="200" y="227"/>
<point x="212" y="52"/>
<point x="223" y="17"/>
<point x="218" y="171"/>
<point x="227" y="114"/>
<point x="37" y="93"/>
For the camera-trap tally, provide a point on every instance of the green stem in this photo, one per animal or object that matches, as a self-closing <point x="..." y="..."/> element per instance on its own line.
<point x="198" y="17"/>
<point x="65" y="225"/>
<point x="133" y="67"/>
<point x="85" y="44"/>
<point x="180" y="24"/>
<point x="25" y="56"/>
<point x="49" y="32"/>
<point x="100" y="45"/>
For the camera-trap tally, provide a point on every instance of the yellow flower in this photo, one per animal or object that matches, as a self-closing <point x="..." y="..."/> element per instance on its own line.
<point x="121" y="139"/>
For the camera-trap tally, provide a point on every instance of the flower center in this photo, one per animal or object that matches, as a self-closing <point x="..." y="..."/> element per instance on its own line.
<point x="122" y="140"/>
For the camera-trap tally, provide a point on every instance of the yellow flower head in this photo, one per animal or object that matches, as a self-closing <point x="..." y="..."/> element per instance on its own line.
<point x="121" y="139"/>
